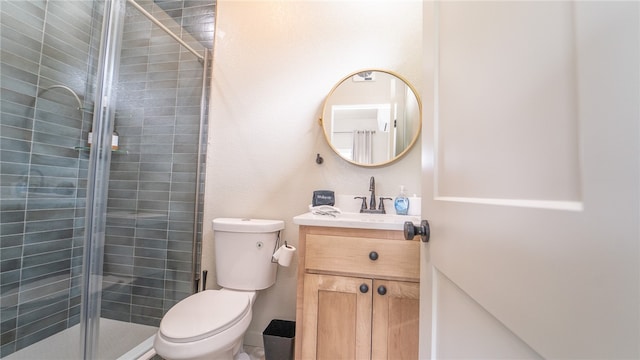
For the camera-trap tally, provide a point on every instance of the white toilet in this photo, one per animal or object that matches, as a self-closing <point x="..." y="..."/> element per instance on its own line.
<point x="211" y="324"/>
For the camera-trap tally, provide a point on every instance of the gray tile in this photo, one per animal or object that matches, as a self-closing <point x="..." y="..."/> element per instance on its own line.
<point x="116" y="307"/>
<point x="145" y="320"/>
<point x="119" y="240"/>
<point x="16" y="42"/>
<point x="148" y="301"/>
<point x="51" y="203"/>
<point x="184" y="177"/>
<point x="40" y="148"/>
<point x="122" y="178"/>
<point x="47" y="247"/>
<point x="151" y="234"/>
<point x="57" y="234"/>
<point x="155" y="176"/>
<point x="179" y="256"/>
<point x="186" y="226"/>
<point x="47" y="225"/>
<point x="122" y="204"/>
<point x="10" y="264"/>
<point x="115" y="269"/>
<point x="115" y="297"/>
<point x="32" y="312"/>
<point x="20" y="79"/>
<point x="15" y="133"/>
<point x="56" y="161"/>
<point x="36" y="215"/>
<point x="13" y="144"/>
<point x="158" y="224"/>
<point x="45" y="258"/>
<point x="155" y="186"/>
<point x="155" y="283"/>
<point x="143" y="311"/>
<point x="27" y="339"/>
<point x="151" y="244"/>
<point x="122" y="194"/>
<point x="155" y="167"/>
<point x="150" y="253"/>
<point x="181" y="288"/>
<point x="118" y="250"/>
<point x="145" y="291"/>
<point x="138" y="68"/>
<point x="185" y="148"/>
<point x="181" y="212"/>
<point x="48" y="138"/>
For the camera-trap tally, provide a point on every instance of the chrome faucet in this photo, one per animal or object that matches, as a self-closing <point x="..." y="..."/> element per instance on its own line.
<point x="372" y="202"/>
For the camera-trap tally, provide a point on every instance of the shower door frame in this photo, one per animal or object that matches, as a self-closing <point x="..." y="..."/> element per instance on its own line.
<point x="98" y="175"/>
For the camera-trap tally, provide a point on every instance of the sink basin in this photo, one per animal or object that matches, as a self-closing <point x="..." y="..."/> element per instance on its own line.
<point x="357" y="220"/>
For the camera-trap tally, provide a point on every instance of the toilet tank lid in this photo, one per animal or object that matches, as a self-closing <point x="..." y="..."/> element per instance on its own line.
<point x="247" y="225"/>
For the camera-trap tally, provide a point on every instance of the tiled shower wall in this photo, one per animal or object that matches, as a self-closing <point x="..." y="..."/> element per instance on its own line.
<point x="148" y="253"/>
<point x="43" y="175"/>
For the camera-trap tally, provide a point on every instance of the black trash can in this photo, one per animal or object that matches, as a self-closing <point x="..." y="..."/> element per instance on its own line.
<point x="279" y="339"/>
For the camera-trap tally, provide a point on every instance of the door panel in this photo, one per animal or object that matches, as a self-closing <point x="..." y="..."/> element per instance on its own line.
<point x="461" y="319"/>
<point x="395" y="320"/>
<point x="516" y="135"/>
<point x="531" y="180"/>
<point x="337" y="318"/>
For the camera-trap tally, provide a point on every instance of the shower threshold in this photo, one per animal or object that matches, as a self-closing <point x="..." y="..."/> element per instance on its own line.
<point x="118" y="340"/>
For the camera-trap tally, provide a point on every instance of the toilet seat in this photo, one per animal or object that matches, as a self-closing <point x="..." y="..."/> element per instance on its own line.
<point x="203" y="315"/>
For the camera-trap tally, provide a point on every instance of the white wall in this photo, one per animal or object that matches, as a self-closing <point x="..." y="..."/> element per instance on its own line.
<point x="274" y="63"/>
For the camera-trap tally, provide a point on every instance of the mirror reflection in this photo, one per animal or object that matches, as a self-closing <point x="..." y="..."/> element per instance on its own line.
<point x="372" y="117"/>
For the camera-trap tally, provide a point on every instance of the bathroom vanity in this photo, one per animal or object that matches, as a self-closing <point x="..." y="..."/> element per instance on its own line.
<point x="358" y="290"/>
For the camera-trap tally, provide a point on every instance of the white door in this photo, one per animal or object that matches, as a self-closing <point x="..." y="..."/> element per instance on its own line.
<point x="531" y="180"/>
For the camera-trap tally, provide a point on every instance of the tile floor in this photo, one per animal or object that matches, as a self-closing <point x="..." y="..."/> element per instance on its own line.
<point x="255" y="353"/>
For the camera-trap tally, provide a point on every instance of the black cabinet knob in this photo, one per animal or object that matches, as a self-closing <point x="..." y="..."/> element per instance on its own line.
<point x="382" y="289"/>
<point x="373" y="255"/>
<point x="364" y="288"/>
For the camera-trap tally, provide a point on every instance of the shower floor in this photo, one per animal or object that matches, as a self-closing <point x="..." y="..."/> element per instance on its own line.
<point x="117" y="338"/>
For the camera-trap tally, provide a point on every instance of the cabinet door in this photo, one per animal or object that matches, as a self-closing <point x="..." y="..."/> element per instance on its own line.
<point x="336" y="318"/>
<point x="396" y="307"/>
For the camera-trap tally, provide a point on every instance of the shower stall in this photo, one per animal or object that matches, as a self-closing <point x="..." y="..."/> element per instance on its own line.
<point x="98" y="239"/>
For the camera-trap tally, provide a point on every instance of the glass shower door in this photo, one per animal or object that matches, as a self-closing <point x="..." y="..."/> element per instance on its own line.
<point x="141" y="201"/>
<point x="153" y="212"/>
<point x="46" y="98"/>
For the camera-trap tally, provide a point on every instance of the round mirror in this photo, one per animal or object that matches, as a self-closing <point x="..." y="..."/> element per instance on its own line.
<point x="372" y="117"/>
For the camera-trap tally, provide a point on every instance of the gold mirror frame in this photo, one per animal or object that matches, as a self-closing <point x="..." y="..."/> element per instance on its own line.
<point x="363" y="101"/>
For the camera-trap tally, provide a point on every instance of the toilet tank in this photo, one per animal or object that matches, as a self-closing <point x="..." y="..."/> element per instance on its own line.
<point x="243" y="250"/>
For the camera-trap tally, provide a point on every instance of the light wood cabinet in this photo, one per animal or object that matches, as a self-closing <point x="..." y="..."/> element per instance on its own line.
<point x="358" y="294"/>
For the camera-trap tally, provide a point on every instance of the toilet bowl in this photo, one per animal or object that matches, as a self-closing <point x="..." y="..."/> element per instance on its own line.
<point x="207" y="325"/>
<point x="211" y="324"/>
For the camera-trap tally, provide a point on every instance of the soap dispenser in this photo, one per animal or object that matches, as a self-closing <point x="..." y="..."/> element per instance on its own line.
<point x="401" y="202"/>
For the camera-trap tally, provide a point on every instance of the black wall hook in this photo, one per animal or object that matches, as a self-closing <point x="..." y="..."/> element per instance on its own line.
<point x="319" y="159"/>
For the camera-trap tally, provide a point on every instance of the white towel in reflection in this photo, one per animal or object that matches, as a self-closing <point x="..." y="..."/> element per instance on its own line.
<point x="362" y="146"/>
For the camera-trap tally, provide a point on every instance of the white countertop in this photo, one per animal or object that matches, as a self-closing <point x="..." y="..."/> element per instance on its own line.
<point x="357" y="220"/>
